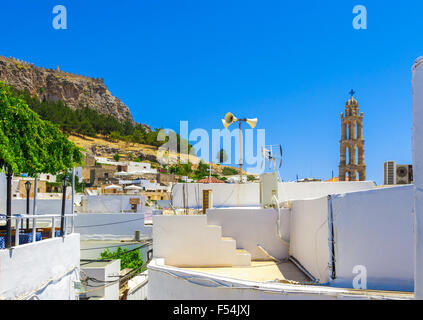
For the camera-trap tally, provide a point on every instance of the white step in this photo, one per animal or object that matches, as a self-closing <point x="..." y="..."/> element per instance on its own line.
<point x="242" y="258"/>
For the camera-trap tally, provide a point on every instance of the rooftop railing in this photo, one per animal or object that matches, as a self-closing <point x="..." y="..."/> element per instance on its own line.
<point x="35" y="231"/>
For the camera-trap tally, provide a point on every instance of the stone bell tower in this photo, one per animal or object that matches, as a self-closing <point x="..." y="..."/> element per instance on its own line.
<point x="352" y="141"/>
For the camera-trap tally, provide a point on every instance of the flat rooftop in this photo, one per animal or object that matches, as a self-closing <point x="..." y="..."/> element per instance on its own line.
<point x="288" y="273"/>
<point x="95" y="264"/>
<point x="261" y="271"/>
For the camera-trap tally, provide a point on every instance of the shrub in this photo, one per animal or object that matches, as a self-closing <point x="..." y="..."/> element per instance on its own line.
<point x="228" y="171"/>
<point x="128" y="259"/>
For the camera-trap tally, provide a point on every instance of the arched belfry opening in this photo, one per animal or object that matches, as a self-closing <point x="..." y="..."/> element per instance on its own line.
<point x="352" y="143"/>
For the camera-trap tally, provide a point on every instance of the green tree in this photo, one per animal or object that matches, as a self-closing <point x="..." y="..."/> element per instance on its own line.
<point x="228" y="171"/>
<point x="79" y="187"/>
<point x="202" y="171"/>
<point x="116" y="157"/>
<point x="222" y="156"/>
<point x="114" y="135"/>
<point x="128" y="259"/>
<point x="29" y="144"/>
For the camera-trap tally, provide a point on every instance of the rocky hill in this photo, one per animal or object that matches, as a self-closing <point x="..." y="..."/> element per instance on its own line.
<point x="74" y="90"/>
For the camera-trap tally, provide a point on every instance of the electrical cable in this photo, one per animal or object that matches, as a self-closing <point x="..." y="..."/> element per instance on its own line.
<point x="127" y="276"/>
<point x="223" y="285"/>
<point x="31" y="294"/>
<point x="118" y="255"/>
<point x="118" y="245"/>
<point x="108" y="224"/>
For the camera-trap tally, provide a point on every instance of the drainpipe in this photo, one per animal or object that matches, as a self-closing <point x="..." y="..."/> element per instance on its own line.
<point x="278" y="221"/>
<point x="9" y="211"/>
<point x="331" y="241"/>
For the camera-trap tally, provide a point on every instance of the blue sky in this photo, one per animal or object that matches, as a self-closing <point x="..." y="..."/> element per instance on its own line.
<point x="289" y="63"/>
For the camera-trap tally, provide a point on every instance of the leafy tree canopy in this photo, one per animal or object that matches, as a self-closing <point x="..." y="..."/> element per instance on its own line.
<point x="128" y="259"/>
<point x="29" y="144"/>
<point x="222" y="156"/>
<point x="228" y="171"/>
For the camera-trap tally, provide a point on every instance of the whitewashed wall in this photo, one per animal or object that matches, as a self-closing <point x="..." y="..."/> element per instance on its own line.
<point x="224" y="194"/>
<point x="168" y="283"/>
<point x="44" y="206"/>
<point x="138" y="287"/>
<point x="251" y="227"/>
<point x="309" y="236"/>
<point x="418" y="174"/>
<point x="46" y="268"/>
<point x="375" y="229"/>
<point x="187" y="241"/>
<point x="111" y="203"/>
<point x="311" y="190"/>
<point x="105" y="226"/>
<point x="248" y="195"/>
<point x="107" y="272"/>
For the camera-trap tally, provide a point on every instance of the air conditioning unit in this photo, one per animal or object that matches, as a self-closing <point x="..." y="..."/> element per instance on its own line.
<point x="389" y="172"/>
<point x="403" y="174"/>
<point x="268" y="188"/>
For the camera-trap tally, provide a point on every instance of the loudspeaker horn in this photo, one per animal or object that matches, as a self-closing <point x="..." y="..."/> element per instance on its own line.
<point x="229" y="119"/>
<point x="252" y="122"/>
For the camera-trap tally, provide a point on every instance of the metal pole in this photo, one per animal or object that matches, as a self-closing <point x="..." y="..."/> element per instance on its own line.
<point x="62" y="221"/>
<point x="121" y="201"/>
<point x="240" y="151"/>
<point x="28" y="191"/>
<point x="34" y="209"/>
<point x="9" y="211"/>
<point x="73" y="199"/>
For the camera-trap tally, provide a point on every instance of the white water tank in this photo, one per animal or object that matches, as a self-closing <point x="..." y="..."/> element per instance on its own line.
<point x="268" y="188"/>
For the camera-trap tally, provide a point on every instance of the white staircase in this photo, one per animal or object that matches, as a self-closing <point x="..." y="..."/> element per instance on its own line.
<point x="242" y="258"/>
<point x="188" y="241"/>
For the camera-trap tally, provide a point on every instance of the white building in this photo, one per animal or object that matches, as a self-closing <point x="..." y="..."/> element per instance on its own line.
<point x="152" y="185"/>
<point x="132" y="167"/>
<point x="283" y="251"/>
<point x="53" y="261"/>
<point x="335" y="237"/>
<point x="236" y="179"/>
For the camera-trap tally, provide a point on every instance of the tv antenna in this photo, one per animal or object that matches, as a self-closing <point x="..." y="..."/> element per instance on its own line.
<point x="273" y="155"/>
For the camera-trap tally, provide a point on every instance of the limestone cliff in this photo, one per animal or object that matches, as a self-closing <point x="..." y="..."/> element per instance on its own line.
<point x="53" y="85"/>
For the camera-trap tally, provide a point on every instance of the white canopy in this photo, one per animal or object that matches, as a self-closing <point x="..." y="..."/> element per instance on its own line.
<point x="133" y="187"/>
<point x="132" y="173"/>
<point x="121" y="173"/>
<point x="113" y="186"/>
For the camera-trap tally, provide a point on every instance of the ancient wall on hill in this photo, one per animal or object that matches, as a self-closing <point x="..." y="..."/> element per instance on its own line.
<point x="75" y="90"/>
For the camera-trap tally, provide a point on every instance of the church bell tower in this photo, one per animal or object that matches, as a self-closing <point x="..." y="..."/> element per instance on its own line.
<point x="352" y="142"/>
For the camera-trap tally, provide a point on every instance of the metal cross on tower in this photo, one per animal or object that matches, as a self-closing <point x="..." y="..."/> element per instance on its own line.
<point x="352" y="92"/>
